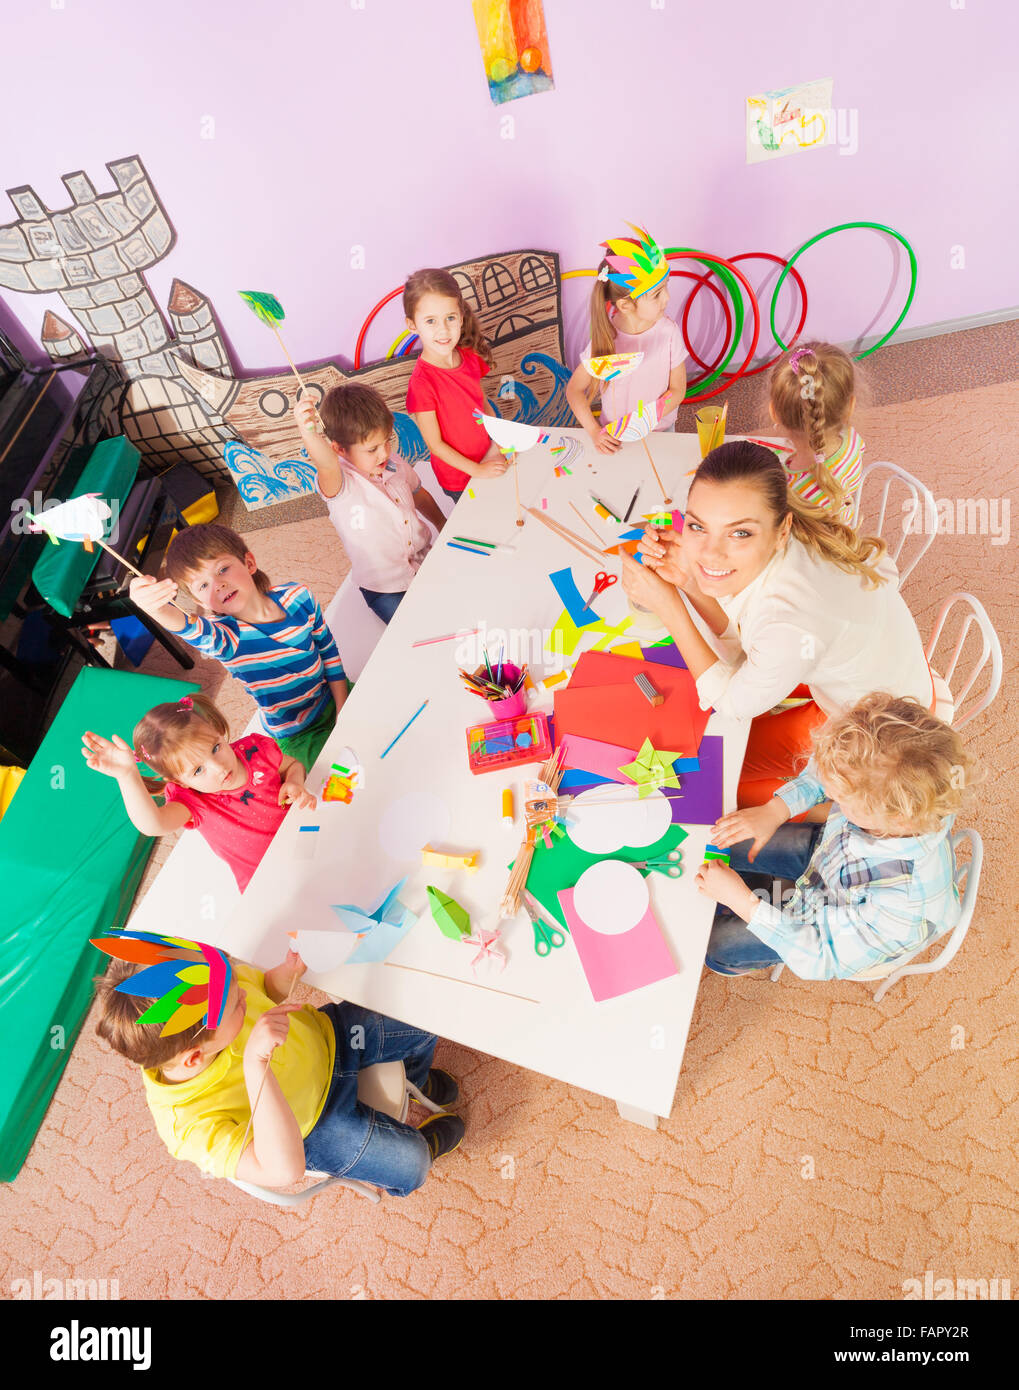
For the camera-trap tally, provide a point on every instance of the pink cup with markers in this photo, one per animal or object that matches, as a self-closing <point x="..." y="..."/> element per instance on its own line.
<point x="512" y="705"/>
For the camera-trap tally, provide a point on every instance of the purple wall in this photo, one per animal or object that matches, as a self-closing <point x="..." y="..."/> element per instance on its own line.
<point x="337" y="126"/>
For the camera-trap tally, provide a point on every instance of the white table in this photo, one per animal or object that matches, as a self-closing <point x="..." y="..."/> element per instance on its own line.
<point x="538" y="1013"/>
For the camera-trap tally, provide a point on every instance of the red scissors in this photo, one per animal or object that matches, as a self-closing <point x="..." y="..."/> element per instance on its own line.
<point x="602" y="581"/>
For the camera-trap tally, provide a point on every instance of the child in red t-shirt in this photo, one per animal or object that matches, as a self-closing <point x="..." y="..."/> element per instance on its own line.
<point x="445" y="386"/>
<point x="235" y="794"/>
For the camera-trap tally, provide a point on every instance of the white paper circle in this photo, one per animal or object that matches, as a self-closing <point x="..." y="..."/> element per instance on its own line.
<point x="411" y="823"/>
<point x="609" y="816"/>
<point x="611" y="897"/>
<point x="324" y="950"/>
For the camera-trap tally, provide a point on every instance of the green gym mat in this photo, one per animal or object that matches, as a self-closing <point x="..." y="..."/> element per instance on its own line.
<point x="70" y="861"/>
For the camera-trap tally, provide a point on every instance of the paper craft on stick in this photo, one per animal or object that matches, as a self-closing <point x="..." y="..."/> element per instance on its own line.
<point x="83" y="518"/>
<point x="188" y="980"/>
<point x="651" y="769"/>
<point x="636" y="424"/>
<point x="269" y="310"/>
<point x="513" y="437"/>
<point x="381" y="929"/>
<point x="449" y="916"/>
<point x="322" y="951"/>
<point x="612" y="365"/>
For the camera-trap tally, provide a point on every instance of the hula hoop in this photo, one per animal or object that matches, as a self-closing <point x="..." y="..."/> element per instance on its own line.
<point x="847" y="227"/>
<point x="705" y="280"/>
<point x="401" y="344"/>
<point x="724" y="268"/>
<point x="411" y="340"/>
<point x="364" y="327"/>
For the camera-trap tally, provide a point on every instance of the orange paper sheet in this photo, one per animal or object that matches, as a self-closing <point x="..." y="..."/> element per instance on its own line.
<point x="603" y="702"/>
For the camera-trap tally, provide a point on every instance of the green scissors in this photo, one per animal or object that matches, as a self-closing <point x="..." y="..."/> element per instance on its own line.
<point x="545" y="937"/>
<point x="665" y="864"/>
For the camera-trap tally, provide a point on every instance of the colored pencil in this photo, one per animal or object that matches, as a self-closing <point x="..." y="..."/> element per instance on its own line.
<point x="469" y="540"/>
<point x="445" y="637"/>
<point x="630" y="508"/>
<point x="470" y="549"/>
<point x="606" y="506"/>
<point x="406" y="726"/>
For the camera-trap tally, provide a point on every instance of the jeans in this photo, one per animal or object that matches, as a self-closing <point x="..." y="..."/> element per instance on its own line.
<point x="382" y="605"/>
<point x="351" y="1140"/>
<point x="733" y="949"/>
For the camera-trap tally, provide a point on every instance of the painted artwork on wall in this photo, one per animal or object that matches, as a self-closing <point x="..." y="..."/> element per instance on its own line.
<point x="514" y="47"/>
<point x="179" y="398"/>
<point x="789" y="120"/>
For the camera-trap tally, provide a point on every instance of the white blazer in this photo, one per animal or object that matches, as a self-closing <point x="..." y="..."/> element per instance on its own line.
<point x="804" y="620"/>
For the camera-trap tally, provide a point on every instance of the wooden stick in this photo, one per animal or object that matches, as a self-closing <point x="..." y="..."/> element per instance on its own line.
<point x="584" y="519"/>
<point x="319" y="427"/>
<point x="570" y="537"/>
<point x="516" y="484"/>
<point x="258" y="1093"/>
<point x="127" y="563"/>
<point x="654" y="470"/>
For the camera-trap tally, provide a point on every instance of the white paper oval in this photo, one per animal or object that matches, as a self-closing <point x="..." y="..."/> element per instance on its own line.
<point x="609" y="816"/>
<point x="413" y="822"/>
<point x="611" y="897"/>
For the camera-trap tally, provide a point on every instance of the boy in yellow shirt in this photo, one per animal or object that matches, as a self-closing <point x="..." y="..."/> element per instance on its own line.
<point x="201" y="1082"/>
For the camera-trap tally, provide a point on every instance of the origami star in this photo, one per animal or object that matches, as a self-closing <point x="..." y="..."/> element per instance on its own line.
<point x="490" y="953"/>
<point x="651" y="769"/>
<point x="380" y="929"/>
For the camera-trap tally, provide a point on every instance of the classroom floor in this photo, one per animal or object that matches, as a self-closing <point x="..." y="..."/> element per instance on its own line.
<point x="820" y="1146"/>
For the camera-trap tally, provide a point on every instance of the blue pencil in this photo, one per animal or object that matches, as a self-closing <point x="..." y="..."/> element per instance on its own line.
<point x="406" y="726"/>
<point x="470" y="549"/>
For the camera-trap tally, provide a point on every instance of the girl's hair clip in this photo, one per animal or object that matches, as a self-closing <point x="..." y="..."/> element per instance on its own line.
<point x="603" y="275"/>
<point x="186" y="702"/>
<point x="819" y="458"/>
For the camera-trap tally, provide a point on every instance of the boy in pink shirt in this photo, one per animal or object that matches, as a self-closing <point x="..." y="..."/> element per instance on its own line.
<point x="384" y="517"/>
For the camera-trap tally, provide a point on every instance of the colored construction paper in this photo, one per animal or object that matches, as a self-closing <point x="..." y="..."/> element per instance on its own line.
<point x="565" y="636"/>
<point x="602" y="702"/>
<point x="187" y="979"/>
<point x="381" y="929"/>
<point x="566" y="587"/>
<point x="593" y="755"/>
<point x="561" y="865"/>
<point x="603" y="819"/>
<point x="577" y="778"/>
<point x="699" y="799"/>
<point x="633" y="649"/>
<point x="666" y="654"/>
<point x="618" y="963"/>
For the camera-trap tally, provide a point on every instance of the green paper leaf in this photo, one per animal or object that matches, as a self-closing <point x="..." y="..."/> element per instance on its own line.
<point x="266" y="306"/>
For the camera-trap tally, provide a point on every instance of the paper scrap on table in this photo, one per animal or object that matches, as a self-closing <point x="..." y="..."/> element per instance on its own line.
<point x="381" y="929"/>
<point x="308" y="837"/>
<point x="616" y="961"/>
<point x="420" y="818"/>
<point x="566" y="587"/>
<point x="565" y="636"/>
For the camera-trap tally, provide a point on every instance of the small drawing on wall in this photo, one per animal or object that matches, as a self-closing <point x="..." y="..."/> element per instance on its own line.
<point x="789" y="120"/>
<point x="514" y="46"/>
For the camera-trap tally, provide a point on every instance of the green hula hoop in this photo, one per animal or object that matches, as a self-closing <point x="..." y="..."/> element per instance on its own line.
<point x="732" y="285"/>
<point x="846" y="227"/>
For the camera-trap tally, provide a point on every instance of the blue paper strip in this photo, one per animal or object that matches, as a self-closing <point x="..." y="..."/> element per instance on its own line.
<point x="566" y="587"/>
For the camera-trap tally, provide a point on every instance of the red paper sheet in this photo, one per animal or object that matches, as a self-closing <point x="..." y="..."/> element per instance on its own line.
<point x="602" y="702"/>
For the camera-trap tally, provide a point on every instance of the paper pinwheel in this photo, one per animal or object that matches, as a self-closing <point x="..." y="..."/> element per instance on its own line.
<point x="264" y="305"/>
<point x="81" y="519"/>
<point x="452" y="920"/>
<point x="381" y="929"/>
<point x="489" y="952"/>
<point x="651" y="769"/>
<point x="612" y="365"/>
<point x="637" y="424"/>
<point x="188" y="980"/>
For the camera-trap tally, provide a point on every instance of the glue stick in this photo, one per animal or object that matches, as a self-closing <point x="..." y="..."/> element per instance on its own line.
<point x="507" y="805"/>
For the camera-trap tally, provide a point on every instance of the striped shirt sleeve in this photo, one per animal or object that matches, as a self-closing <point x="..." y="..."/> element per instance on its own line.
<point x="211" y="639"/>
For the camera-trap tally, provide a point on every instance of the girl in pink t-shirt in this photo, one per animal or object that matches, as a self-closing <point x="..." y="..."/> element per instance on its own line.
<point x="629" y="314"/>
<point x="235" y="794"/>
<point x="445" y="386"/>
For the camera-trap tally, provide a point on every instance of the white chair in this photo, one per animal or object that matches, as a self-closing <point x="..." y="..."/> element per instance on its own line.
<point x="948" y="699"/>
<point x="892" y="971"/>
<point x="384" y="1087"/>
<point x="918" y="509"/>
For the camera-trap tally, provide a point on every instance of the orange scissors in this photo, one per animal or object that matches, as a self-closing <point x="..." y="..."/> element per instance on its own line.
<point x="602" y="581"/>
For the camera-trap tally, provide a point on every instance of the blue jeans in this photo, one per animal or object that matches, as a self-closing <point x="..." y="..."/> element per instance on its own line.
<point x="733" y="949"/>
<point x="382" y="605"/>
<point x="350" y="1139"/>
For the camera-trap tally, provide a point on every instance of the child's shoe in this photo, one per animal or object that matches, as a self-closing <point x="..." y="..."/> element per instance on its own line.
<point x="440" y="1088"/>
<point x="443" y="1134"/>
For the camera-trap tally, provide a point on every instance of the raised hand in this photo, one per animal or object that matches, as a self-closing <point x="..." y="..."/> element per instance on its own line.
<point x="112" y="757"/>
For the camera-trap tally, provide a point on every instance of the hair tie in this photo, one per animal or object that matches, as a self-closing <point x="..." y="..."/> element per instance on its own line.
<point x="142" y="756"/>
<point x="186" y="702"/>
<point x="794" y="360"/>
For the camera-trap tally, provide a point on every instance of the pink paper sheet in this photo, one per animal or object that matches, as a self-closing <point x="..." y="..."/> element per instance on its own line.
<point x="617" y="965"/>
<point x="590" y="754"/>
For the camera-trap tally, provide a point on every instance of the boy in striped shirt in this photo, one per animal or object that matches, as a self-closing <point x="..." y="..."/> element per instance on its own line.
<point x="274" y="639"/>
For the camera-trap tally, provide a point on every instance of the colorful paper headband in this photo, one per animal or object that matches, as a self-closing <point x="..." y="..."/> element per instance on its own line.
<point x="636" y="265"/>
<point x="188" y="980"/>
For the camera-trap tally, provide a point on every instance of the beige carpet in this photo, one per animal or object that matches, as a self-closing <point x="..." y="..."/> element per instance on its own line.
<point x="819" y="1146"/>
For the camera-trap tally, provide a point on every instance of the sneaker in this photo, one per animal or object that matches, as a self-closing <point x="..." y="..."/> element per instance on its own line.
<point x="440" y="1088"/>
<point x="443" y="1134"/>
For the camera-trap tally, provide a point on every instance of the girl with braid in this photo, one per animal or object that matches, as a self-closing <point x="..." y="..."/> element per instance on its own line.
<point x="812" y="400"/>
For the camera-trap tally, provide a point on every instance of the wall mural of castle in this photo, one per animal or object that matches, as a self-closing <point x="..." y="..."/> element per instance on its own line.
<point x="180" y="398"/>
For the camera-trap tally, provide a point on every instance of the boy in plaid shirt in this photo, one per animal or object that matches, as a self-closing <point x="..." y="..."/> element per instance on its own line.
<point x="875" y="882"/>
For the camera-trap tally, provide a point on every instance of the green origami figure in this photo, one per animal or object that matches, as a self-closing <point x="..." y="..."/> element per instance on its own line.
<point x="452" y="920"/>
<point x="651" y="769"/>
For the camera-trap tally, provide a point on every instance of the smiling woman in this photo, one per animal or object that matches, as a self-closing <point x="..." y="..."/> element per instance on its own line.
<point x="767" y="598"/>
